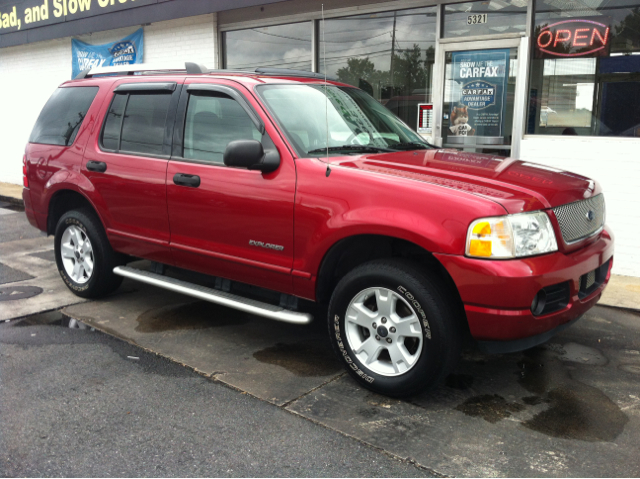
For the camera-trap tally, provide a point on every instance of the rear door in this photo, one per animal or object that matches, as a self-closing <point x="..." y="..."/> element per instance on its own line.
<point x="127" y="166"/>
<point x="229" y="222"/>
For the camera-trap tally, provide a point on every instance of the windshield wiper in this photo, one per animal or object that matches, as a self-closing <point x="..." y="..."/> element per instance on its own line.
<point x="352" y="148"/>
<point x="413" y="146"/>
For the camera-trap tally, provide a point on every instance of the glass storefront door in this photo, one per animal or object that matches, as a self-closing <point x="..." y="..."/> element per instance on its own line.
<point x="478" y="94"/>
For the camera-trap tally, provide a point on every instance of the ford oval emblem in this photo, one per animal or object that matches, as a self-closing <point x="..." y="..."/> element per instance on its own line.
<point x="590" y="215"/>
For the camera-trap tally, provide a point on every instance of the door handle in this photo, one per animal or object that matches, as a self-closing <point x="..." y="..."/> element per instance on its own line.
<point x="99" y="166"/>
<point x="183" y="179"/>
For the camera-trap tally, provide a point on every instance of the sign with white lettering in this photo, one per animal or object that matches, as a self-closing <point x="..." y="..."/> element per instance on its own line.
<point x="425" y="118"/>
<point x="481" y="80"/>
<point x="126" y="51"/>
<point x="577" y="37"/>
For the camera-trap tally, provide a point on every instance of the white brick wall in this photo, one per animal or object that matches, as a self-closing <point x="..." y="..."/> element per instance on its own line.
<point x="187" y="39"/>
<point x="28" y="76"/>
<point x="615" y="164"/>
<point x="30" y="73"/>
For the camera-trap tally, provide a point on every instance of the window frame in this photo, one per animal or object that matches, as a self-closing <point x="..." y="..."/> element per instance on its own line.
<point x="222" y="57"/>
<point x="164" y="88"/>
<point x="77" y="130"/>
<point x="177" y="152"/>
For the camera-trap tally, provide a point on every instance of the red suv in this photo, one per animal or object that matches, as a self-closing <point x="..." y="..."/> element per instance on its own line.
<point x="306" y="188"/>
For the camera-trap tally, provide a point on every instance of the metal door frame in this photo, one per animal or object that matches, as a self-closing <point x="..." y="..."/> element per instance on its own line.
<point x="521" y="43"/>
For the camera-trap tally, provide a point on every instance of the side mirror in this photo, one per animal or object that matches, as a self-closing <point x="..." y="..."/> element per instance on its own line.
<point x="250" y="154"/>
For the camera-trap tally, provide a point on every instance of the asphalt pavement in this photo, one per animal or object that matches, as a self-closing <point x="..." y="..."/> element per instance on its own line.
<point x="79" y="403"/>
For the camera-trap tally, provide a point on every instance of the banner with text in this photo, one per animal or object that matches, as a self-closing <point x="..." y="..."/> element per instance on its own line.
<point x="126" y="51"/>
<point x="481" y="78"/>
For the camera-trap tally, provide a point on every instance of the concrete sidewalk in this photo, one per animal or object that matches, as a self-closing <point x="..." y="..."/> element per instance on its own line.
<point x="622" y="291"/>
<point x="11" y="193"/>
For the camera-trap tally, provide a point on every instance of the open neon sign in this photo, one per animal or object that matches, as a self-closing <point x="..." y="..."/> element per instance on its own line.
<point x="578" y="37"/>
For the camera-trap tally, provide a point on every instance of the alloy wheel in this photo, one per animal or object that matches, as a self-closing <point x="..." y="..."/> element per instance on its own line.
<point x="383" y="331"/>
<point x="77" y="254"/>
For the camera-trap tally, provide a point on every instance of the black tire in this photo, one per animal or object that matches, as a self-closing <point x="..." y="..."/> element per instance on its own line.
<point x="102" y="280"/>
<point x="442" y="333"/>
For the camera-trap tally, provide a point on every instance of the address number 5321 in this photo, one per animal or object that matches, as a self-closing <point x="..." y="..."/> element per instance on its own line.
<point x="476" y="19"/>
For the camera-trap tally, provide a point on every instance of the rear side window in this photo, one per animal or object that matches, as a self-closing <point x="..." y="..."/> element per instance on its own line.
<point x="135" y="122"/>
<point x="62" y="116"/>
<point x="212" y="121"/>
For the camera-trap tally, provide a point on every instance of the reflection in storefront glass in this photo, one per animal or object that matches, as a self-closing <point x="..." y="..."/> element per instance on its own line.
<point x="585" y="69"/>
<point x="280" y="46"/>
<point x="389" y="55"/>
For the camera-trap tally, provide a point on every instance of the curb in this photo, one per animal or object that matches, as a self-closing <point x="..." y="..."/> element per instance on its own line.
<point x="12" y="200"/>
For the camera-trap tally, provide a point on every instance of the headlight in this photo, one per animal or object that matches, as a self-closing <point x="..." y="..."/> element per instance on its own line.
<point x="512" y="236"/>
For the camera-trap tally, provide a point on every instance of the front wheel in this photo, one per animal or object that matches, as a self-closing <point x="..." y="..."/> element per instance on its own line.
<point x="394" y="327"/>
<point x="84" y="256"/>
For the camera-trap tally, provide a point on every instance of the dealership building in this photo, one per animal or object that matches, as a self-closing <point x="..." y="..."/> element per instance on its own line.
<point x="553" y="82"/>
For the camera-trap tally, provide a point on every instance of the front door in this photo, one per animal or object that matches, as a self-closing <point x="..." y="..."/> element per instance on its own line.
<point x="478" y="96"/>
<point x="229" y="222"/>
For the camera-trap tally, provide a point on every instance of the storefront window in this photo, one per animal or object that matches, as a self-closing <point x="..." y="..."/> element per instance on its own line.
<point x="280" y="46"/>
<point x="585" y="69"/>
<point x="389" y="55"/>
<point x="479" y="95"/>
<point x="484" y="18"/>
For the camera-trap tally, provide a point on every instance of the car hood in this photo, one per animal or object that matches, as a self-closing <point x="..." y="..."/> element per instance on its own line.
<point x="517" y="185"/>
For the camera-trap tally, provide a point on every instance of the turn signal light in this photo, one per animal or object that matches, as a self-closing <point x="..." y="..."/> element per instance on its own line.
<point x="481" y="246"/>
<point x="511" y="236"/>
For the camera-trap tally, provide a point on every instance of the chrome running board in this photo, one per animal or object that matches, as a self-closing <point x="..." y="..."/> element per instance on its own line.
<point x="214" y="296"/>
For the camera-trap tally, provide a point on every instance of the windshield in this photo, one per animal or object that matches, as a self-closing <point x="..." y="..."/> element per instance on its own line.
<point x="356" y="122"/>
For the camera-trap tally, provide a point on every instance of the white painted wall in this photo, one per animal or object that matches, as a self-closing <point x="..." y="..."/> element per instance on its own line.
<point x="615" y="164"/>
<point x="30" y="73"/>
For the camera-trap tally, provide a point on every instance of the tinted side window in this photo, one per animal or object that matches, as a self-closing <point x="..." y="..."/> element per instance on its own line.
<point x="212" y="121"/>
<point x="113" y="123"/>
<point x="136" y="122"/>
<point x="62" y="116"/>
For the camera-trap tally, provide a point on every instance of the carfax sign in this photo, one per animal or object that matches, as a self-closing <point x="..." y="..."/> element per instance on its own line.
<point x="126" y="51"/>
<point x="481" y="78"/>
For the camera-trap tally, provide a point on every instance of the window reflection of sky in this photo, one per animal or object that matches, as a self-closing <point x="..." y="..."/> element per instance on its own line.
<point x="280" y="46"/>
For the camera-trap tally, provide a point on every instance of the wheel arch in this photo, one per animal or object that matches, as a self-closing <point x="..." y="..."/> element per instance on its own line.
<point x="64" y="200"/>
<point x="352" y="251"/>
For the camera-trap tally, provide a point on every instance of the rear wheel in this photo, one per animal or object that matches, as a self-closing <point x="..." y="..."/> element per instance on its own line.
<point x="84" y="256"/>
<point x="394" y="327"/>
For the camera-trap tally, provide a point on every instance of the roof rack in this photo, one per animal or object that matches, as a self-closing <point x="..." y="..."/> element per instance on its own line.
<point x="293" y="73"/>
<point x="193" y="68"/>
<point x="142" y="68"/>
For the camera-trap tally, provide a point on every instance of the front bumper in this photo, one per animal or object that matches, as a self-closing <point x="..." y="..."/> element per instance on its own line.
<point x="497" y="295"/>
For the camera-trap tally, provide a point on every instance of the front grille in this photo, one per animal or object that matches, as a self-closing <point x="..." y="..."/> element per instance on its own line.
<point x="593" y="280"/>
<point x="590" y="279"/>
<point x="574" y="221"/>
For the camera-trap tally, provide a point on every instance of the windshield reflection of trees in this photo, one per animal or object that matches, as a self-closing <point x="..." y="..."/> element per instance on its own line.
<point x="400" y="88"/>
